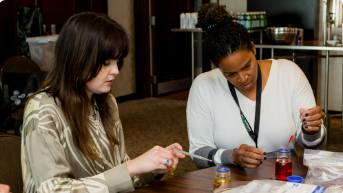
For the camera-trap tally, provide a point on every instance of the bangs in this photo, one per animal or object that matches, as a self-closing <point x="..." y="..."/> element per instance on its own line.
<point x="115" y="45"/>
<point x="105" y="40"/>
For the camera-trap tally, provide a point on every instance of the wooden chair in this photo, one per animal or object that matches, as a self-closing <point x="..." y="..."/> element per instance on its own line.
<point x="19" y="76"/>
<point x="10" y="162"/>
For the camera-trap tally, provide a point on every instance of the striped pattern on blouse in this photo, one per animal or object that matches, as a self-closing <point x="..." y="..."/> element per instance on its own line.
<point x="52" y="163"/>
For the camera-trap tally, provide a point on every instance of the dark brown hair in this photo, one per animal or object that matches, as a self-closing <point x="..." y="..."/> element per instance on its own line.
<point x="223" y="36"/>
<point x="86" y="41"/>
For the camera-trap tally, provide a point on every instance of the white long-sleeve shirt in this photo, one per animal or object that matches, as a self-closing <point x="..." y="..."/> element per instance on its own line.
<point x="213" y="117"/>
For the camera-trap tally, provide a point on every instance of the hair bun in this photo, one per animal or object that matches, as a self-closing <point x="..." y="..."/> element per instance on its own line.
<point x="211" y="14"/>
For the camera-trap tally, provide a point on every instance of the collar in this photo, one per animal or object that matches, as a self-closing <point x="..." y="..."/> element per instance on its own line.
<point x="96" y="108"/>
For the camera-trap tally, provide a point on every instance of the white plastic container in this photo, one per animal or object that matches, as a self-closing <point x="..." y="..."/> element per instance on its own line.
<point x="42" y="50"/>
<point x="182" y="21"/>
<point x="188" y="21"/>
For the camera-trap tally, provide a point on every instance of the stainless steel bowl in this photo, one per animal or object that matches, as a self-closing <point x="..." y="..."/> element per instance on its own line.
<point x="282" y="35"/>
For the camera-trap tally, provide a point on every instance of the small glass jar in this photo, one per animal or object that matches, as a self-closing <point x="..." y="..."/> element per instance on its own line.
<point x="223" y="178"/>
<point x="283" y="164"/>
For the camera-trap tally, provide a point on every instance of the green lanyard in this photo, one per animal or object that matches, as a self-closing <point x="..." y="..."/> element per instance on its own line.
<point x="253" y="134"/>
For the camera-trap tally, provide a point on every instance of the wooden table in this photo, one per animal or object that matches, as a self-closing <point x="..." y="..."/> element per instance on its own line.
<point x="202" y="180"/>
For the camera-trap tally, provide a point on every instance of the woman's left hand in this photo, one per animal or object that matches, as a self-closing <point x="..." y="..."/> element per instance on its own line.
<point x="174" y="160"/>
<point x="312" y="119"/>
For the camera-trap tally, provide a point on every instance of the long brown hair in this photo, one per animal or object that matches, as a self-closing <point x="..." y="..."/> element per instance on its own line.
<point x="86" y="41"/>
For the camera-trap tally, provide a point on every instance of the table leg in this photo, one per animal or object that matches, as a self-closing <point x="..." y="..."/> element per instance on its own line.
<point x="272" y="53"/>
<point x="261" y="42"/>
<point x="192" y="55"/>
<point x="293" y="56"/>
<point x="326" y="89"/>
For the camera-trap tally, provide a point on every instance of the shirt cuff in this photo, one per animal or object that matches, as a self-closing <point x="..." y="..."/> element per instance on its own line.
<point x="223" y="156"/>
<point x="148" y="178"/>
<point x="217" y="158"/>
<point x="226" y="156"/>
<point x="312" y="140"/>
<point x="118" y="179"/>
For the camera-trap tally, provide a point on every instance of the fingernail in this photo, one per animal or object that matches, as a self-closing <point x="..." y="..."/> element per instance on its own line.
<point x="304" y="119"/>
<point x="260" y="162"/>
<point x="305" y="123"/>
<point x="264" y="153"/>
<point x="306" y="127"/>
<point x="265" y="158"/>
<point x="306" y="114"/>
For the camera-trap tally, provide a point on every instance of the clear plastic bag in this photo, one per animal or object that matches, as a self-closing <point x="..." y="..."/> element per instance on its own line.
<point x="324" y="168"/>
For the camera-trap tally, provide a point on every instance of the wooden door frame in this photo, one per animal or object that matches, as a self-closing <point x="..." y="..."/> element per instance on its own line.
<point x="142" y="48"/>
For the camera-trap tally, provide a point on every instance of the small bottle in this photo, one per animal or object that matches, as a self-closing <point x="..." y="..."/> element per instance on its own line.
<point x="257" y="20"/>
<point x="283" y="164"/>
<point x="243" y="16"/>
<point x="188" y="20"/>
<point x="53" y="29"/>
<point x="182" y="21"/>
<point x="191" y="21"/>
<point x="265" y="18"/>
<point x="254" y="22"/>
<point x="248" y="21"/>
<point x="261" y="20"/>
<point x="239" y="18"/>
<point x="223" y="178"/>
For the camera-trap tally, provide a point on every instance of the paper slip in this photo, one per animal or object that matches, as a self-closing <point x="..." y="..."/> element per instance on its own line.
<point x="303" y="188"/>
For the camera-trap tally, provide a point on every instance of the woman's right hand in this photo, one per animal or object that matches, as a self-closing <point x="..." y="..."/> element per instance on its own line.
<point x="4" y="188"/>
<point x="248" y="156"/>
<point x="152" y="160"/>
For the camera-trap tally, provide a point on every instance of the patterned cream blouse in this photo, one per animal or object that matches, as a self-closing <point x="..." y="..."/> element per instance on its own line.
<point x="52" y="163"/>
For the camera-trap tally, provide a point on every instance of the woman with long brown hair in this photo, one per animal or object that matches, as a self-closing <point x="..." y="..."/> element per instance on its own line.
<point x="72" y="136"/>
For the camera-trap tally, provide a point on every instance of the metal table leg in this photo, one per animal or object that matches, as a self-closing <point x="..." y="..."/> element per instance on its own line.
<point x="192" y="55"/>
<point x="272" y="53"/>
<point x="261" y="41"/>
<point x="293" y="56"/>
<point x="326" y="88"/>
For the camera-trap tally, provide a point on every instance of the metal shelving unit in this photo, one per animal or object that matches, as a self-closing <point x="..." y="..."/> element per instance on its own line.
<point x="307" y="45"/>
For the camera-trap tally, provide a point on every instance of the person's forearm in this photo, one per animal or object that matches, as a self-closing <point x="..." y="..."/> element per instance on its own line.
<point x="131" y="166"/>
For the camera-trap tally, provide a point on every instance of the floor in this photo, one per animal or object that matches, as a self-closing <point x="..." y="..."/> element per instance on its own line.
<point x="156" y="121"/>
<point x="183" y="95"/>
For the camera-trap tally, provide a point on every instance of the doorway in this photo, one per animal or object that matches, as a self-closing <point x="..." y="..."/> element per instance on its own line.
<point x="168" y="68"/>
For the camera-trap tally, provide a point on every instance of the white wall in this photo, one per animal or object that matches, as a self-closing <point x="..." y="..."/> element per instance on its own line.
<point x="234" y="5"/>
<point x="122" y="11"/>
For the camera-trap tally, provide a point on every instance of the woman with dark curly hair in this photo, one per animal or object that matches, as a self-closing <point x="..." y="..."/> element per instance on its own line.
<point x="245" y="105"/>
